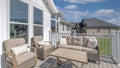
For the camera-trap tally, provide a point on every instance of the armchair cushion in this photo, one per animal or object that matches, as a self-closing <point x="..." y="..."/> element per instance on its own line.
<point x="43" y="43"/>
<point x="19" y="49"/>
<point x="22" y="58"/>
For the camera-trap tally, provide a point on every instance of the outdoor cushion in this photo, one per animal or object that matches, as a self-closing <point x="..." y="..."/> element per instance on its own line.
<point x="71" y="47"/>
<point x="19" y="49"/>
<point x="37" y="39"/>
<point x="68" y="38"/>
<point x="92" y="43"/>
<point x="43" y="43"/>
<point x="22" y="58"/>
<point x="86" y="39"/>
<point x="63" y="41"/>
<point x="89" y="50"/>
<point x="77" y="40"/>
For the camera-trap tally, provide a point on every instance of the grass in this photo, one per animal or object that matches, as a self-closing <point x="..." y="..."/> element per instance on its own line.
<point x="105" y="46"/>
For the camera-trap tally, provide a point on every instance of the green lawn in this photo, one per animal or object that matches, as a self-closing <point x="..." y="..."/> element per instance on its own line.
<point x="105" y="46"/>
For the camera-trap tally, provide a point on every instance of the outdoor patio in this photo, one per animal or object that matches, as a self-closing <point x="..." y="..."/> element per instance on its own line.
<point x="104" y="63"/>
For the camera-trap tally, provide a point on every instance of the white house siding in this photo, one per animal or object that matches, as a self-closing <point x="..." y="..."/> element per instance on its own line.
<point x="4" y="26"/>
<point x="5" y="21"/>
<point x="65" y="28"/>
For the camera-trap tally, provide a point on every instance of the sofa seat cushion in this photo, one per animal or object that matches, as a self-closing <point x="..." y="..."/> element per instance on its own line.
<point x="77" y="40"/>
<point x="89" y="50"/>
<point x="71" y="47"/>
<point x="47" y="47"/>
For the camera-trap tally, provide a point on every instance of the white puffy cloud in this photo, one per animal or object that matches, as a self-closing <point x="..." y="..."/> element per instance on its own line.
<point x="105" y="13"/>
<point x="71" y="7"/>
<point x="84" y="1"/>
<point x="115" y="21"/>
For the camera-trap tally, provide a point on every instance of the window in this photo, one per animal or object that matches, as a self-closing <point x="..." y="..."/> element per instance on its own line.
<point x="53" y="25"/>
<point x="98" y="30"/>
<point x="38" y="22"/>
<point x="38" y="30"/>
<point x="18" y="11"/>
<point x="53" y="16"/>
<point x="67" y="27"/>
<point x="18" y="19"/>
<point x="18" y="31"/>
<point x="38" y="16"/>
<point x="63" y="27"/>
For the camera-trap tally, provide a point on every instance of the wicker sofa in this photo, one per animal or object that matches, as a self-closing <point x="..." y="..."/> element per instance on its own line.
<point x="80" y="43"/>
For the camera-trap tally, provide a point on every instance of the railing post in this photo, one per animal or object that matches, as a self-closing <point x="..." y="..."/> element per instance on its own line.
<point x="114" y="46"/>
<point x="118" y="43"/>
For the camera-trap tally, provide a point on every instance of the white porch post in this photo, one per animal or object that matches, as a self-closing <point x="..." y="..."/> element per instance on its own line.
<point x="4" y="27"/>
<point x="30" y="26"/>
<point x="118" y="42"/>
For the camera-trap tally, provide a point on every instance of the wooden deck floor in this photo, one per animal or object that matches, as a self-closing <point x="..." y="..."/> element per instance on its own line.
<point x="104" y="63"/>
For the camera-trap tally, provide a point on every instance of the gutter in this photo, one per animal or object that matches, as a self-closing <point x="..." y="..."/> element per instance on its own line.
<point x="52" y="6"/>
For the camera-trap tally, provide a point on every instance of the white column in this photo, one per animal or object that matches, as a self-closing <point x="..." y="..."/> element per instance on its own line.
<point x="30" y="24"/>
<point x="4" y="27"/>
<point x="46" y="25"/>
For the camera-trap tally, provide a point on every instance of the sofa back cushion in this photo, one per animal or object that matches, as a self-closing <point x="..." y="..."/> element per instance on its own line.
<point x="68" y="38"/>
<point x="86" y="39"/>
<point x="92" y="43"/>
<point x="77" y="40"/>
<point x="63" y="41"/>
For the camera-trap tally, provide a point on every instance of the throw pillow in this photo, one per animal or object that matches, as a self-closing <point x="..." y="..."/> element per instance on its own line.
<point x="19" y="49"/>
<point x="63" y="41"/>
<point x="92" y="43"/>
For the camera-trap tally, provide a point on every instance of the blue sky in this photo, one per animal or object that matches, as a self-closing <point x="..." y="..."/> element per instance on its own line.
<point x="75" y="10"/>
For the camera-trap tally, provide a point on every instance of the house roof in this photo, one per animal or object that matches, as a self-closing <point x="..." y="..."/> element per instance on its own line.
<point x="93" y="22"/>
<point x="65" y="22"/>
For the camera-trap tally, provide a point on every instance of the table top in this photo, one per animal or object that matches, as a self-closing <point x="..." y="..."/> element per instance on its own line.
<point x="73" y="55"/>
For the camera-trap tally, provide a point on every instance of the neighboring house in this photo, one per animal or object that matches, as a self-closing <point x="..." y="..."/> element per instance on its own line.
<point x="64" y="26"/>
<point x="25" y="18"/>
<point x="95" y="26"/>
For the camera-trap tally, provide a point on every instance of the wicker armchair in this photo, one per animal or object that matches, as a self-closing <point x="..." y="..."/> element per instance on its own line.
<point x="42" y="50"/>
<point x="22" y="60"/>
